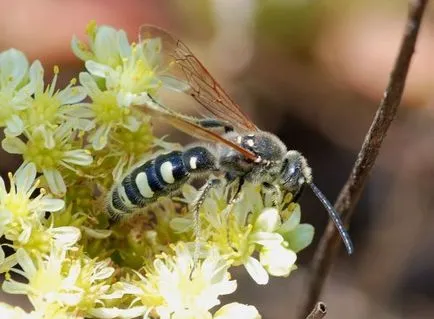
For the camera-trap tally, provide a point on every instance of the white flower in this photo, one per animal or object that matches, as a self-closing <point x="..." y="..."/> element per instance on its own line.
<point x="298" y="236"/>
<point x="105" y="111"/>
<point x="15" y="96"/>
<point x="50" y="151"/>
<point x="134" y="79"/>
<point x="106" y="45"/>
<point x="130" y="71"/>
<point x="64" y="237"/>
<point x="197" y="295"/>
<point x="6" y="263"/>
<point x="180" y="291"/>
<point x="11" y="312"/>
<point x="54" y="280"/>
<point x="114" y="312"/>
<point x="18" y="211"/>
<point x="45" y="280"/>
<point x="52" y="107"/>
<point x="237" y="310"/>
<point x="277" y="259"/>
<point x="247" y="227"/>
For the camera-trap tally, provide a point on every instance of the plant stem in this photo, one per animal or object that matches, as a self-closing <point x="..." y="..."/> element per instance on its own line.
<point x="318" y="312"/>
<point x="351" y="191"/>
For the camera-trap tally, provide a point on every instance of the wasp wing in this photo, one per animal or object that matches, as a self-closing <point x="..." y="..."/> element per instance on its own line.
<point x="194" y="129"/>
<point x="183" y="67"/>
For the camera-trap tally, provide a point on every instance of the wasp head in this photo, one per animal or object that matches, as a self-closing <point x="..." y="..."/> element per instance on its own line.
<point x="295" y="172"/>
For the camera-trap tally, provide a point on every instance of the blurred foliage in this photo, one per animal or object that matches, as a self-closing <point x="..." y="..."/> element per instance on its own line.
<point x="302" y="21"/>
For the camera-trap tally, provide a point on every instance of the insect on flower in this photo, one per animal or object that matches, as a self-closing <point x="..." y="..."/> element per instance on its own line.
<point x="240" y="151"/>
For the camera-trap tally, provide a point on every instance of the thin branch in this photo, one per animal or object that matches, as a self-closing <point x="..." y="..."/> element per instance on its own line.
<point x="318" y="312"/>
<point x="353" y="188"/>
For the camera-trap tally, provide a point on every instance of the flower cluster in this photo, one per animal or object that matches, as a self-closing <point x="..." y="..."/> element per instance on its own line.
<point x="67" y="257"/>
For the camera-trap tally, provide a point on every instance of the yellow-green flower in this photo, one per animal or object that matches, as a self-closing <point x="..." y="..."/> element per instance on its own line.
<point x="174" y="290"/>
<point x="130" y="71"/>
<point x="106" y="45"/>
<point x="51" y="152"/>
<point x="57" y="284"/>
<point x="249" y="226"/>
<point x="106" y="113"/>
<point x="15" y="92"/>
<point x="47" y="286"/>
<point x="237" y="310"/>
<point x="19" y="212"/>
<point x="52" y="107"/>
<point x="11" y="312"/>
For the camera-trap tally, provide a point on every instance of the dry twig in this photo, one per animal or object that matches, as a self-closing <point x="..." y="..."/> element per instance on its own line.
<point x="352" y="189"/>
<point x="318" y="312"/>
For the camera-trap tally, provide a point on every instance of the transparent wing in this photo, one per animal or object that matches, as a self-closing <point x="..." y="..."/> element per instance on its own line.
<point x="195" y="130"/>
<point x="183" y="66"/>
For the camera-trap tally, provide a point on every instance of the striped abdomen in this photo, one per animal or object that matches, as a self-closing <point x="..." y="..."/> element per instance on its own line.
<point x="157" y="177"/>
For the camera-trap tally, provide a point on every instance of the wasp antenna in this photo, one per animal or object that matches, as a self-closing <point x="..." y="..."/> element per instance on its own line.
<point x="334" y="217"/>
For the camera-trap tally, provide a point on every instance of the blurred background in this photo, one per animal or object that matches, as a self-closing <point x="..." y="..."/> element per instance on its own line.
<point x="313" y="72"/>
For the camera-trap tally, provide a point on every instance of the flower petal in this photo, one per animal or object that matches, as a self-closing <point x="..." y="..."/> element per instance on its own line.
<point x="88" y="82"/>
<point x="100" y="137"/>
<point x="47" y="204"/>
<point x="78" y="157"/>
<point x="14" y="126"/>
<point x="104" y="273"/>
<point x="15" y="287"/>
<point x="132" y="124"/>
<point x="13" y="145"/>
<point x="266" y="239"/>
<point x="300" y="237"/>
<point x="26" y="263"/>
<point x="189" y="192"/>
<point x="55" y="181"/>
<point x="25" y="177"/>
<point x="125" y="99"/>
<point x="268" y="220"/>
<point x="181" y="224"/>
<point x="278" y="260"/>
<point x="26" y="232"/>
<point x="80" y="49"/>
<point x="97" y="69"/>
<point x="66" y="236"/>
<point x="292" y="221"/>
<point x="256" y="271"/>
<point x="81" y="110"/>
<point x="174" y="84"/>
<point x="36" y="77"/>
<point x="237" y="310"/>
<point x="97" y="233"/>
<point x="123" y="45"/>
<point x="70" y="299"/>
<point x="14" y="66"/>
<point x="71" y="95"/>
<point x="109" y="313"/>
<point x="106" y="46"/>
<point x="7" y="263"/>
<point x="48" y="136"/>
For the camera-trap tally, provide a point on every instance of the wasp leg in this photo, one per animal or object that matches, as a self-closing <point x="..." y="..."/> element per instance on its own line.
<point x="203" y="194"/>
<point x="237" y="194"/>
<point x="235" y="197"/>
<point x="276" y="193"/>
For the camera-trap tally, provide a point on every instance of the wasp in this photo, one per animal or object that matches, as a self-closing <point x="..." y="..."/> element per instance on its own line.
<point x="240" y="151"/>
